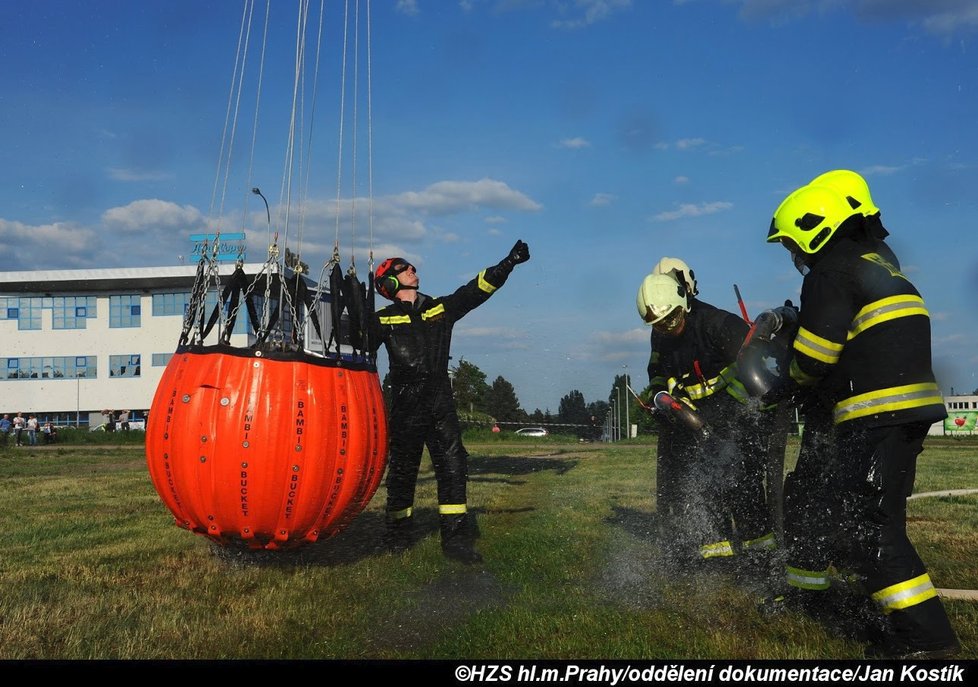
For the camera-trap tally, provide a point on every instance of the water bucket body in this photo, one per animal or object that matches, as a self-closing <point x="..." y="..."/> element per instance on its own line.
<point x="272" y="451"/>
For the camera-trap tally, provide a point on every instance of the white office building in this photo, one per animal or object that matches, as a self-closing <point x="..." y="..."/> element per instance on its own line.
<point x="77" y="342"/>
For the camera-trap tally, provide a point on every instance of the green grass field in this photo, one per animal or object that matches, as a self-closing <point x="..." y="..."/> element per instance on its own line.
<point x="92" y="567"/>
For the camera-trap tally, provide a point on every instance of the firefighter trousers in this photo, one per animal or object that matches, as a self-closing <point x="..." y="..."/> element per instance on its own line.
<point x="876" y="475"/>
<point x="425" y="415"/>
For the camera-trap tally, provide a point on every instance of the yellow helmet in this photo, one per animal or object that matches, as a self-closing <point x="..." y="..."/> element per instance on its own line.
<point x="678" y="269"/>
<point x="809" y="217"/>
<point x="852" y="186"/>
<point x="659" y="296"/>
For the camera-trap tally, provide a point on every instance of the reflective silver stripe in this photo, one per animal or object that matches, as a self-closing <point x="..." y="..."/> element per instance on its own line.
<point x="887" y="400"/>
<point x="400" y="514"/>
<point x="431" y="312"/>
<point x="807" y="579"/>
<point x="396" y="319"/>
<point x="716" y="550"/>
<point x="451" y="509"/>
<point x="815" y="346"/>
<point x="905" y="594"/>
<point x="483" y="284"/>
<point x="766" y="542"/>
<point x="886" y="309"/>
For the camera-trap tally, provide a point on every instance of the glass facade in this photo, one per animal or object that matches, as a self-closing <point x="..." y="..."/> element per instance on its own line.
<point x="67" y="312"/>
<point x="49" y="367"/>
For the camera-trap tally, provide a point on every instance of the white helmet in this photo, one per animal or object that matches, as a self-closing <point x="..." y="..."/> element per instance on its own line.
<point x="659" y="296"/>
<point x="680" y="270"/>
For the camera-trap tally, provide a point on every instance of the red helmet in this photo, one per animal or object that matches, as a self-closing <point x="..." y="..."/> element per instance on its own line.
<point x="385" y="276"/>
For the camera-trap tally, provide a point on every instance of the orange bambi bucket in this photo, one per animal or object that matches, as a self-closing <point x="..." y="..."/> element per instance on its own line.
<point x="271" y="449"/>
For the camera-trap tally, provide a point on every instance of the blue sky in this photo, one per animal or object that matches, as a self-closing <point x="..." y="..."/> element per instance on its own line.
<point x="605" y="133"/>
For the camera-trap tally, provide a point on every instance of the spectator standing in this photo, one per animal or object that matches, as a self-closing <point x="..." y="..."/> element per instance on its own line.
<point x="32" y="427"/>
<point x="5" y="426"/>
<point x="19" y="423"/>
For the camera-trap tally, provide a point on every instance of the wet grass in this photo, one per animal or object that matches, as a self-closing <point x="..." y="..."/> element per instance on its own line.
<point x="92" y="567"/>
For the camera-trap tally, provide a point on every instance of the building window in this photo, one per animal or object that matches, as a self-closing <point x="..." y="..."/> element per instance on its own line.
<point x="72" y="312"/>
<point x="161" y="359"/>
<point x="166" y="304"/>
<point x="48" y="367"/>
<point x="124" y="311"/>
<point x="124" y="365"/>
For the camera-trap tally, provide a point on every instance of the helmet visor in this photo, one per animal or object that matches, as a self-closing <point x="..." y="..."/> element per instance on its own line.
<point x="671" y="323"/>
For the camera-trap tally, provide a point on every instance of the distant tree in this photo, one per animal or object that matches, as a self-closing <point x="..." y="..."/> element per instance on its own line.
<point x="501" y="402"/>
<point x="469" y="386"/>
<point x="537" y="416"/>
<point x="573" y="411"/>
<point x="598" y="413"/>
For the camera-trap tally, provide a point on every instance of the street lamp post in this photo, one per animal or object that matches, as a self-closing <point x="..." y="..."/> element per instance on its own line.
<point x="619" y="412"/>
<point x="628" y="422"/>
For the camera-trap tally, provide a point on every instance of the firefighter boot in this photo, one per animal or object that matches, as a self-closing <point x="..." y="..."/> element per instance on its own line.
<point x="399" y="534"/>
<point x="458" y="534"/>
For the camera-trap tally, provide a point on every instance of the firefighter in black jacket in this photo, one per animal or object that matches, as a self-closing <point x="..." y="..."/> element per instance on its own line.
<point x="720" y="471"/>
<point x="417" y="331"/>
<point x="811" y="502"/>
<point x="864" y="342"/>
<point x="669" y="467"/>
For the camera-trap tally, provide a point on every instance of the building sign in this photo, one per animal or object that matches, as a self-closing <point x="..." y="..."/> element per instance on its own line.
<point x="960" y="421"/>
<point x="229" y="247"/>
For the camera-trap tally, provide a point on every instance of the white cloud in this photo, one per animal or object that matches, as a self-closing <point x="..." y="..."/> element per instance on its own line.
<point x="881" y="170"/>
<point x="589" y="12"/>
<point x="408" y="7"/>
<point x="57" y="239"/>
<point x="691" y="210"/>
<point x="574" y="143"/>
<point x="119" y="174"/>
<point x="153" y="213"/>
<point x="602" y="199"/>
<point x="495" y="219"/>
<point x="448" y="197"/>
<point x="939" y="18"/>
<point x="690" y="143"/>
<point x="681" y="180"/>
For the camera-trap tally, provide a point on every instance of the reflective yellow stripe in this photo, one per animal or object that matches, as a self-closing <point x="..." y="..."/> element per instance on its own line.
<point x="799" y="375"/>
<point x="698" y="391"/>
<point x="886" y="309"/>
<point x="807" y="579"/>
<point x="672" y="384"/>
<point x="717" y="550"/>
<point x="483" y="284"/>
<point x="887" y="400"/>
<point x="400" y="514"/>
<point x="905" y="594"/>
<point x="766" y="542"/>
<point x="431" y="312"/>
<point x="816" y="347"/>
<point x="451" y="508"/>
<point x="736" y="389"/>
<point x="396" y="319"/>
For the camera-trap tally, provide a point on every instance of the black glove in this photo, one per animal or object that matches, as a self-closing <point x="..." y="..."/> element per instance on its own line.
<point x="519" y="253"/>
